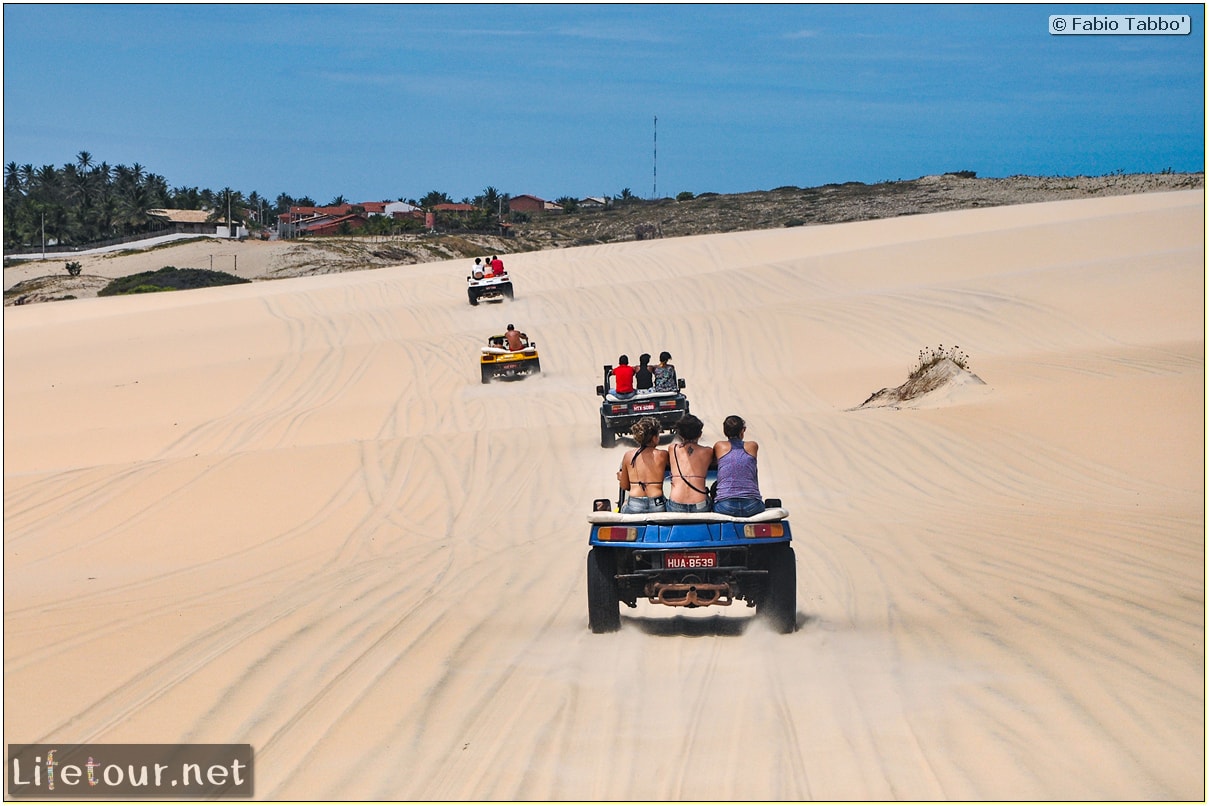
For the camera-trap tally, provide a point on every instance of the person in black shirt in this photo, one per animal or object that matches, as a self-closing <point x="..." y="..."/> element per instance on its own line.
<point x="644" y="379"/>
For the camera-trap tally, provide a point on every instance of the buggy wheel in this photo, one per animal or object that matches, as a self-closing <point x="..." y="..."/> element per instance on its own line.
<point x="474" y="298"/>
<point x="779" y="604"/>
<point x="507" y="289"/>
<point x="537" y="367"/>
<point x="486" y="370"/>
<point x="604" y="608"/>
<point x="607" y="438"/>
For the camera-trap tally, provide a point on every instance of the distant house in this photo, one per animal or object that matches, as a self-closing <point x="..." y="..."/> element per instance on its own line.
<point x="330" y="225"/>
<point x="298" y="213"/>
<point x="532" y="204"/>
<point x="454" y="208"/>
<point x="391" y="209"/>
<point x="593" y="203"/>
<point x="194" y="222"/>
<point x="400" y="209"/>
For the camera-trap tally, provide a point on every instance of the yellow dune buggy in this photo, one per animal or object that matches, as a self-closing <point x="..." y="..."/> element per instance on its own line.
<point x="497" y="361"/>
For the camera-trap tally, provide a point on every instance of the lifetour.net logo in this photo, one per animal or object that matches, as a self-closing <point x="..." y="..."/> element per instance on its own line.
<point x="130" y="770"/>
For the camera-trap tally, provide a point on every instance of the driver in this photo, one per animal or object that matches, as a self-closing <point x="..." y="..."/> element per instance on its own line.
<point x="513" y="337"/>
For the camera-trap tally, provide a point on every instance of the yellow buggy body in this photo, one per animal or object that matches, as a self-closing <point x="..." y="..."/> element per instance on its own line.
<point x="496" y="361"/>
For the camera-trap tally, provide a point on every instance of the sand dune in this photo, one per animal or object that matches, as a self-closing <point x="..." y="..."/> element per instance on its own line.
<point x="289" y="514"/>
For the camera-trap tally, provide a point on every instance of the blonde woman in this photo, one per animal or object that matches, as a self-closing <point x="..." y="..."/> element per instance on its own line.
<point x="642" y="470"/>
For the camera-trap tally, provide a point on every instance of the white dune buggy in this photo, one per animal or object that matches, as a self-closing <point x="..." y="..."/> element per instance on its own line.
<point x="486" y="287"/>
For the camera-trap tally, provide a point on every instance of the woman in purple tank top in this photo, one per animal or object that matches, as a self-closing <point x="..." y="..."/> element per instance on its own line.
<point x="738" y="480"/>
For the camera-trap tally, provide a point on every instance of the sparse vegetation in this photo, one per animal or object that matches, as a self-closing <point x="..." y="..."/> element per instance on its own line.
<point x="932" y="356"/>
<point x="168" y="278"/>
<point x="74" y="268"/>
<point x="932" y="371"/>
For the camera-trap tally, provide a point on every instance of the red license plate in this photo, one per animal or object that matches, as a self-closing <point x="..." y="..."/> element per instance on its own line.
<point x="643" y="407"/>
<point x="509" y="366"/>
<point x="690" y="559"/>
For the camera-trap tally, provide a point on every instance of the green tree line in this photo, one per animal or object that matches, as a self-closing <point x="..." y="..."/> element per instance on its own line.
<point x="87" y="201"/>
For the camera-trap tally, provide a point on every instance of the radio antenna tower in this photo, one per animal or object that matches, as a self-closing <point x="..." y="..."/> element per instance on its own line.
<point x="655" y="163"/>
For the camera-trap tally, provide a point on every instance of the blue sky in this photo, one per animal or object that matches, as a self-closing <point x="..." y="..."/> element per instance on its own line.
<point x="392" y="101"/>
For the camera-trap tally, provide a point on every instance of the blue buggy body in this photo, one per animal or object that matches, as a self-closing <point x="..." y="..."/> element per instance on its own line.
<point x="691" y="560"/>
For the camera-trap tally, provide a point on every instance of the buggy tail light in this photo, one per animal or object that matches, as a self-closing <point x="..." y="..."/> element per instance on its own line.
<point x="764" y="530"/>
<point x="667" y="404"/>
<point x="618" y="408"/>
<point x="617" y="534"/>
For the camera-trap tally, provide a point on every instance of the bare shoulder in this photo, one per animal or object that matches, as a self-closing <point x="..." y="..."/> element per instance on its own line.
<point x="751" y="447"/>
<point x="721" y="448"/>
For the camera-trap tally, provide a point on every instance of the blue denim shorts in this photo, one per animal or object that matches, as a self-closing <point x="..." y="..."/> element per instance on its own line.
<point x="640" y="506"/>
<point x="674" y="506"/>
<point x="739" y="507"/>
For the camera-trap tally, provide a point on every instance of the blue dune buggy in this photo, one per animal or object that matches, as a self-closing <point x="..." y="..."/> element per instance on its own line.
<point x="691" y="560"/>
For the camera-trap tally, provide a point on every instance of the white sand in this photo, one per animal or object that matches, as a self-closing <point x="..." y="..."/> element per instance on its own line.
<point x="289" y="514"/>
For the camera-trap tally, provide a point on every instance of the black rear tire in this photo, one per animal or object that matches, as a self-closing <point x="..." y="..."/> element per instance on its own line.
<point x="607" y="438"/>
<point x="487" y="374"/>
<point x="604" y="608"/>
<point x="474" y="298"/>
<point x="779" y="605"/>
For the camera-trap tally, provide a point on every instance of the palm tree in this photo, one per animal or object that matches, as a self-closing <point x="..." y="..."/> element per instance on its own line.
<point x="12" y="178"/>
<point x="228" y="200"/>
<point x="158" y="187"/>
<point x="84" y="160"/>
<point x="46" y="182"/>
<point x="104" y="173"/>
<point x="107" y="213"/>
<point x="132" y="205"/>
<point x="185" y="198"/>
<point x="433" y="198"/>
<point x="490" y="198"/>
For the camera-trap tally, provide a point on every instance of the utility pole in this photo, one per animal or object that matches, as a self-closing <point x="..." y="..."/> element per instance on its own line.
<point x="44" y="235"/>
<point x="655" y="165"/>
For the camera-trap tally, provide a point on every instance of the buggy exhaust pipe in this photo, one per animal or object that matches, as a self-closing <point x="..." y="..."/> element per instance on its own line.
<point x="689" y="594"/>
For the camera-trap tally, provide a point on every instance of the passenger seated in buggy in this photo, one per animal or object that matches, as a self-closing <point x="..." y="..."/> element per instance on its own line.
<point x="623" y="375"/>
<point x="621" y="379"/>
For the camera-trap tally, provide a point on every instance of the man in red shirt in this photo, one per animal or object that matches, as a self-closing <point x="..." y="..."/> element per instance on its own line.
<point x="623" y="378"/>
<point x="497" y="266"/>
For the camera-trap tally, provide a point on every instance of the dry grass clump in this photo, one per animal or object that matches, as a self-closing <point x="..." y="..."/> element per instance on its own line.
<point x="932" y="356"/>
<point x="937" y="367"/>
